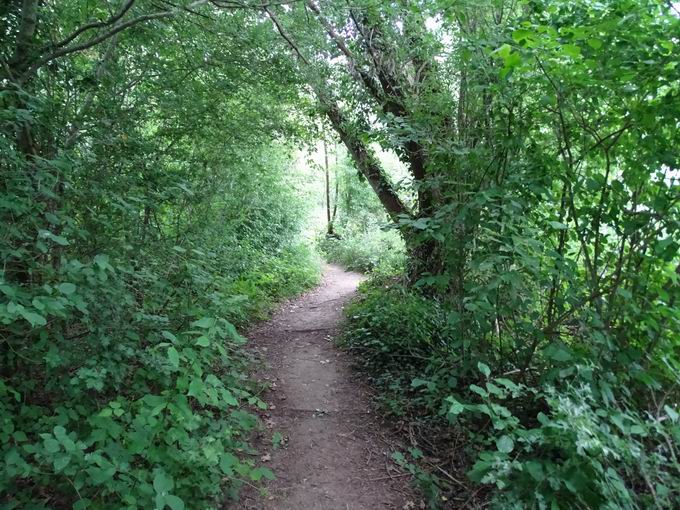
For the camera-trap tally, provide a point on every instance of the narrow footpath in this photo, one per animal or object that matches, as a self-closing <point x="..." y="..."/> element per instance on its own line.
<point x="334" y="453"/>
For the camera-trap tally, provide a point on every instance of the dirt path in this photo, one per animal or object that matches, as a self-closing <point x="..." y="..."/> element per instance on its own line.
<point x="334" y="452"/>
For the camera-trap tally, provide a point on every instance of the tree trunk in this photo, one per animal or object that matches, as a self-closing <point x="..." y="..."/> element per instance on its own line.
<point x="367" y="163"/>
<point x="329" y="217"/>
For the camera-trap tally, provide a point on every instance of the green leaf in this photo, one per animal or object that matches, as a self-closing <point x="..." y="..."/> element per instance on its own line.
<point x="558" y="353"/>
<point x="456" y="407"/>
<point x="596" y="44"/>
<point x="102" y="262"/>
<point x="417" y="383"/>
<point x="195" y="388"/>
<point x="513" y="60"/>
<point x="503" y="51"/>
<point x="227" y="463"/>
<point x="505" y="444"/>
<point x="35" y="319"/>
<point x="205" y="323"/>
<point x="51" y="445"/>
<point x="420" y="223"/>
<point x="228" y="398"/>
<point x="203" y="341"/>
<point x="173" y="356"/>
<point x="59" y="432"/>
<point x="667" y="45"/>
<point x="478" y="390"/>
<point x="521" y="35"/>
<point x="66" y="288"/>
<point x="82" y="504"/>
<point x="20" y="436"/>
<point x="484" y="369"/>
<point x="535" y="470"/>
<point x="260" y="472"/>
<point x="174" y="502"/>
<point x="277" y="439"/>
<point x="168" y="336"/>
<point x="571" y="50"/>
<point x="46" y="234"/>
<point x="162" y="483"/>
<point x="61" y="462"/>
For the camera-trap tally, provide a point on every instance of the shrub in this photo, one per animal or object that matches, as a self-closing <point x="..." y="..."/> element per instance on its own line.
<point x="372" y="251"/>
<point x="585" y="450"/>
<point x="574" y="435"/>
<point x="390" y="325"/>
<point x="126" y="405"/>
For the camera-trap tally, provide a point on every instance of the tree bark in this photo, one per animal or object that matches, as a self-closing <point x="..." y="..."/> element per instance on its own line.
<point x="367" y="163"/>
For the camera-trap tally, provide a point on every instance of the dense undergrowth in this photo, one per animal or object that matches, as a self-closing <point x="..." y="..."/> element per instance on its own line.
<point x="134" y="391"/>
<point x="366" y="250"/>
<point x="359" y="238"/>
<point x="568" y="433"/>
<point x="145" y="219"/>
<point x="123" y="376"/>
<point x="530" y="347"/>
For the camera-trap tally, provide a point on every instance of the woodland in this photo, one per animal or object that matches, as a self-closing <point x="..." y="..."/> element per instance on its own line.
<point x="506" y="173"/>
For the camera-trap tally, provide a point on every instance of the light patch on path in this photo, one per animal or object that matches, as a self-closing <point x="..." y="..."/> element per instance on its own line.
<point x="335" y="454"/>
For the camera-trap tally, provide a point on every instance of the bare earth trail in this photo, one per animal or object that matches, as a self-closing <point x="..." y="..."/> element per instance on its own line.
<point x="335" y="454"/>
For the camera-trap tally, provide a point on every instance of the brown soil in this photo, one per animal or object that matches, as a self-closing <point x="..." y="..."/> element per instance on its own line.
<point x="335" y="452"/>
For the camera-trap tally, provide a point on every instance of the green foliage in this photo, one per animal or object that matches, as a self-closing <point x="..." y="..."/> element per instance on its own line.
<point x="361" y="239"/>
<point x="145" y="217"/>
<point x="391" y="326"/>
<point x="126" y="401"/>
<point x="576" y="437"/>
<point x="543" y="245"/>
<point x="374" y="251"/>
<point x="291" y="271"/>
<point x="149" y="208"/>
<point x="585" y="449"/>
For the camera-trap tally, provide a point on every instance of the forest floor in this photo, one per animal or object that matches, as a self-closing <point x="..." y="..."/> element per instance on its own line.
<point x="334" y="451"/>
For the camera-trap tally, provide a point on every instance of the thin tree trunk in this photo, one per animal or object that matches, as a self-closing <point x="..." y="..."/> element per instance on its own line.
<point x="337" y="190"/>
<point x="329" y="219"/>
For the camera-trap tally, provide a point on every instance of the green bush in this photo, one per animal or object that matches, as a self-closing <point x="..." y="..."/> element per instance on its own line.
<point x="376" y="251"/>
<point x="389" y="325"/>
<point x="123" y="379"/>
<point x="577" y="437"/>
<point x="128" y="406"/>
<point x="291" y="271"/>
<point x="587" y="449"/>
